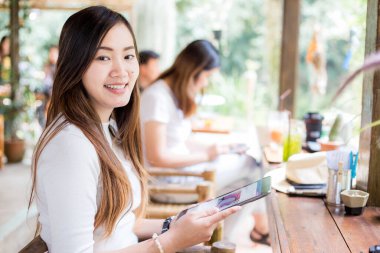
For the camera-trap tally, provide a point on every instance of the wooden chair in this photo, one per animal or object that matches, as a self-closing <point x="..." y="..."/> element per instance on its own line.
<point x="204" y="190"/>
<point x="37" y="245"/>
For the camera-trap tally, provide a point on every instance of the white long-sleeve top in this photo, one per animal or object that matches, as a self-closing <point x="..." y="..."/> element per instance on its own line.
<point x="69" y="192"/>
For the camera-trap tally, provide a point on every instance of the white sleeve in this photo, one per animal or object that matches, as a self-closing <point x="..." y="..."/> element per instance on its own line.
<point x="155" y="107"/>
<point x="69" y="172"/>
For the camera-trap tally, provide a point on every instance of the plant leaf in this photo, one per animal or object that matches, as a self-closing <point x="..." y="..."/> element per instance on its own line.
<point x="370" y="63"/>
<point x="370" y="125"/>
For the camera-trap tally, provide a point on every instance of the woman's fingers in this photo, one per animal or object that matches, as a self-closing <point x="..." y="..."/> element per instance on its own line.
<point x="215" y="217"/>
<point x="207" y="212"/>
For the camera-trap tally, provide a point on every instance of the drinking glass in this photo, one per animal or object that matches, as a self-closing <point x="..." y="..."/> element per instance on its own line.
<point x="278" y="125"/>
<point x="293" y="140"/>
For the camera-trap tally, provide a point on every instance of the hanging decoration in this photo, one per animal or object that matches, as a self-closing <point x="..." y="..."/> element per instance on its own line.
<point x="316" y="60"/>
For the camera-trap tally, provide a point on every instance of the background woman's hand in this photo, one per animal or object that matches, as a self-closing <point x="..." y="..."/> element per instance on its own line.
<point x="197" y="227"/>
<point x="217" y="149"/>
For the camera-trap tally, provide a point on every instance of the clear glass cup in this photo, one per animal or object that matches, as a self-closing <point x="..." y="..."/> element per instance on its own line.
<point x="278" y="122"/>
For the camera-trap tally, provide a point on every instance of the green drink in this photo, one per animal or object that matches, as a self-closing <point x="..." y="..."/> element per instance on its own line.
<point x="292" y="145"/>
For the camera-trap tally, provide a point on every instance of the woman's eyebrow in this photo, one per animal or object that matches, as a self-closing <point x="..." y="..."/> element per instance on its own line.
<point x="110" y="49"/>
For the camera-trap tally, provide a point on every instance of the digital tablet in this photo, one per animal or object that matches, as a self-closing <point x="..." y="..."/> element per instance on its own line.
<point x="238" y="197"/>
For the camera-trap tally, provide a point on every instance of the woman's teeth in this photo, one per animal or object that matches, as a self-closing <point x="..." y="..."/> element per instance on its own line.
<point x="115" y="87"/>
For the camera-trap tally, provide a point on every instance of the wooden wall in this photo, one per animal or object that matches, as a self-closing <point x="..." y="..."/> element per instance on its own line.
<point x="369" y="159"/>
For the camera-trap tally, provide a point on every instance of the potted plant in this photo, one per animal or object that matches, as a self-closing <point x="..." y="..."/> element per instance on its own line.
<point x="332" y="142"/>
<point x="15" y="114"/>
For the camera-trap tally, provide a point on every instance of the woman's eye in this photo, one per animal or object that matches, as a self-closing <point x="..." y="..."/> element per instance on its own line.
<point x="103" y="58"/>
<point x="129" y="57"/>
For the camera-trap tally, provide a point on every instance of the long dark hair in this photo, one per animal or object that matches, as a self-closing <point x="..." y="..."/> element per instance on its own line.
<point x="198" y="56"/>
<point x="81" y="35"/>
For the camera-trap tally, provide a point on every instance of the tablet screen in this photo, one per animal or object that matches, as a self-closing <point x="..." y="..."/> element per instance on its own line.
<point x="238" y="197"/>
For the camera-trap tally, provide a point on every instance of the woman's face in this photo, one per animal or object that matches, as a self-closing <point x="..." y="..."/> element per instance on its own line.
<point x="201" y="82"/>
<point x="112" y="74"/>
<point x="6" y="47"/>
<point x="53" y="55"/>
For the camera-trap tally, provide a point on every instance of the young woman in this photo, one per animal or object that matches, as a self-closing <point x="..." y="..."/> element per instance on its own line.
<point x="88" y="176"/>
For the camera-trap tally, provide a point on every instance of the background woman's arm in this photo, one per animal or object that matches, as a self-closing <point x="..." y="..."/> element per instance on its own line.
<point x="159" y="155"/>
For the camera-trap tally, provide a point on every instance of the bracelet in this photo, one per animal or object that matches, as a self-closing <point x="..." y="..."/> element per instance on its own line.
<point x="157" y="242"/>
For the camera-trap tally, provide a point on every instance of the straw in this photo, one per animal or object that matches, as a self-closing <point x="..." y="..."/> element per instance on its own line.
<point x="284" y="95"/>
<point x="287" y="149"/>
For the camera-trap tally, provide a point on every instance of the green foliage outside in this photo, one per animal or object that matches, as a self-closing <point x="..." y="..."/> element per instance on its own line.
<point x="39" y="30"/>
<point x="243" y="37"/>
<point x="251" y="34"/>
<point x="249" y="45"/>
<point x="336" y="19"/>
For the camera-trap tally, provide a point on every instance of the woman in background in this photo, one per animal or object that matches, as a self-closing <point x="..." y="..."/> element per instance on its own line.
<point x="166" y="109"/>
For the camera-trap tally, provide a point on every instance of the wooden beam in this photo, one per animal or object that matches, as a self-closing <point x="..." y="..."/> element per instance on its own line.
<point x="15" y="56"/>
<point x="289" y="52"/>
<point x="71" y="5"/>
<point x="369" y="148"/>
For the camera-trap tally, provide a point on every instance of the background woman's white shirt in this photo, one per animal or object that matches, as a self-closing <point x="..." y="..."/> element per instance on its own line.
<point x="159" y="104"/>
<point x="69" y="193"/>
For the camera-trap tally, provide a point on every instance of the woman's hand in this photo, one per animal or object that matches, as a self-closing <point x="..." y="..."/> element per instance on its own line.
<point x="215" y="150"/>
<point x="197" y="227"/>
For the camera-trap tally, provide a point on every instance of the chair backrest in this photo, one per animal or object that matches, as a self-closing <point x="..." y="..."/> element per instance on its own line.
<point x="204" y="190"/>
<point x="37" y="245"/>
<point x="197" y="192"/>
<point x="208" y="175"/>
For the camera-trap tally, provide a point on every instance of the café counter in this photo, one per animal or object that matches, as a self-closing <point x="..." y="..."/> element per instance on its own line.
<point x="304" y="224"/>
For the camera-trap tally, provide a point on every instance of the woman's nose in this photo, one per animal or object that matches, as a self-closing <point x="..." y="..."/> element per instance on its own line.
<point x="119" y="69"/>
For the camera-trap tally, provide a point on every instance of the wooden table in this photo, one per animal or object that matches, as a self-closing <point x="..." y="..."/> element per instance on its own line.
<point x="301" y="224"/>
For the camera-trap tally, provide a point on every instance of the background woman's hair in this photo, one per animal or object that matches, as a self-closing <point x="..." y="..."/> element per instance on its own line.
<point x="198" y="56"/>
<point x="81" y="35"/>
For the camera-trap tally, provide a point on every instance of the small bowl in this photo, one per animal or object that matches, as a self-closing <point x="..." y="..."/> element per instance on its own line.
<point x="329" y="145"/>
<point x="354" y="201"/>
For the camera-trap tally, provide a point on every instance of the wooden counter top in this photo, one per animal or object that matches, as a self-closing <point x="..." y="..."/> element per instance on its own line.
<point x="301" y="224"/>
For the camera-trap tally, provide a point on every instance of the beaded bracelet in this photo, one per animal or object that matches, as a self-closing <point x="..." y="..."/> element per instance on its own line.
<point x="157" y="242"/>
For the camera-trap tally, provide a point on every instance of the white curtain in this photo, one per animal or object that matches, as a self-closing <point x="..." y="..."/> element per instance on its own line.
<point x="155" y="27"/>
